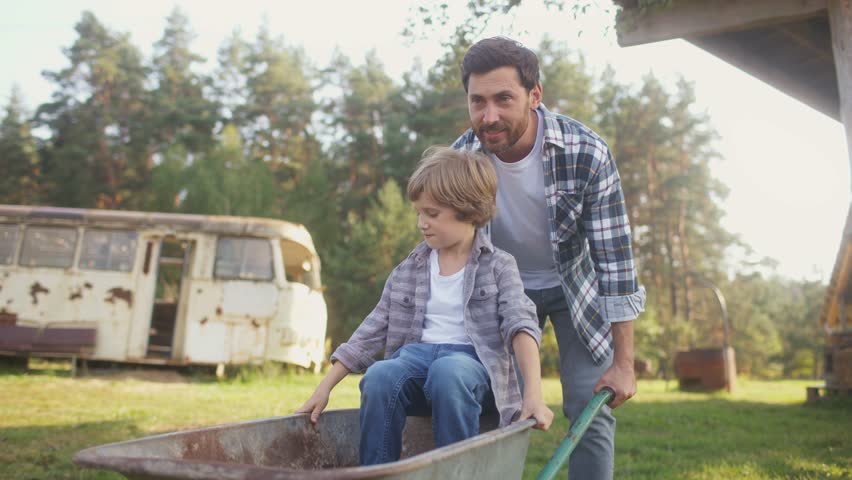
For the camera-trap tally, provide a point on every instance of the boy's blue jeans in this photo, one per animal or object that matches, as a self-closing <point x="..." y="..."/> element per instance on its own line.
<point x="448" y="378"/>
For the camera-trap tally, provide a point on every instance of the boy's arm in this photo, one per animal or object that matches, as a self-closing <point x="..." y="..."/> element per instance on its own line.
<point x="319" y="400"/>
<point x="526" y="352"/>
<point x="520" y="330"/>
<point x="515" y="311"/>
<point x="369" y="338"/>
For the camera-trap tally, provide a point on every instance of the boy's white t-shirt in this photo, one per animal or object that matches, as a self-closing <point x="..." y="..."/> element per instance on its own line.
<point x="521" y="225"/>
<point x="444" y="321"/>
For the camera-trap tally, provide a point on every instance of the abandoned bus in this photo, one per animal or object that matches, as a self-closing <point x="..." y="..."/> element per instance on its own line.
<point x="158" y="288"/>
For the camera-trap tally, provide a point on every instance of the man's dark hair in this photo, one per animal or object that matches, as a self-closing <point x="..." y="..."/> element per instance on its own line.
<point x="495" y="52"/>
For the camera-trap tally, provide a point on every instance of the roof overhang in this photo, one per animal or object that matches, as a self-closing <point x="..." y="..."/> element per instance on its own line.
<point x="785" y="43"/>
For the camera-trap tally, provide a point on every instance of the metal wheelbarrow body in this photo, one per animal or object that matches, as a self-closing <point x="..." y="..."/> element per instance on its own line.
<point x="290" y="448"/>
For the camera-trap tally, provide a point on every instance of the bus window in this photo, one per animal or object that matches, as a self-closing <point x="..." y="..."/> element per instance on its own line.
<point x="8" y="242"/>
<point x="300" y="264"/>
<point x="243" y="258"/>
<point x="108" y="250"/>
<point x="305" y="272"/>
<point x="48" y="247"/>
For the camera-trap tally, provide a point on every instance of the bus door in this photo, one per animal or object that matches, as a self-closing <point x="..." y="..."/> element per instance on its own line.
<point x="173" y="267"/>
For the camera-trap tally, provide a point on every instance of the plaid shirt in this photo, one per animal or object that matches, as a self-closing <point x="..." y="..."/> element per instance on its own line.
<point x="496" y="309"/>
<point x="589" y="229"/>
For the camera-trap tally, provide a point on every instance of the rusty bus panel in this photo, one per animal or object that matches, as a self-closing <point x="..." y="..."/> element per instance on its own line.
<point x="173" y="289"/>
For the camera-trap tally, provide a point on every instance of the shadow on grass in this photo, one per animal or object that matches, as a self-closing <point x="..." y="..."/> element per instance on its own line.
<point x="112" y="371"/>
<point x="45" y="452"/>
<point x="242" y="374"/>
<point x="719" y="438"/>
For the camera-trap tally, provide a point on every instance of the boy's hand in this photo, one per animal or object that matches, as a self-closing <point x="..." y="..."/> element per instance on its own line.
<point x="315" y="405"/>
<point x="539" y="411"/>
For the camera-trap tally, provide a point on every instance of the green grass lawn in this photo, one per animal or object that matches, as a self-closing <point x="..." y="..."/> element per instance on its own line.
<point x="763" y="431"/>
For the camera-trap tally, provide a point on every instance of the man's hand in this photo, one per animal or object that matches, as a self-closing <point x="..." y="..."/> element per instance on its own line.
<point x="622" y="381"/>
<point x="539" y="411"/>
<point x="620" y="377"/>
<point x="316" y="404"/>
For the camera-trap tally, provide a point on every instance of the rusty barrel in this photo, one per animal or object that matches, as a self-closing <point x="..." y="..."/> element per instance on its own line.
<point x="291" y="448"/>
<point x="706" y="369"/>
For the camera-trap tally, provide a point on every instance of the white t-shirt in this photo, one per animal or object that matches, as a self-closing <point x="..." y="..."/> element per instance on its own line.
<point x="521" y="226"/>
<point x="444" y="321"/>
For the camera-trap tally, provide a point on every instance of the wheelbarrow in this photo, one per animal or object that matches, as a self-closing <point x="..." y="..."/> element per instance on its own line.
<point x="290" y="448"/>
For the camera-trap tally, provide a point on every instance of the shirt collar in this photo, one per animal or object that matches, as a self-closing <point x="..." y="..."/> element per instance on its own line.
<point x="481" y="244"/>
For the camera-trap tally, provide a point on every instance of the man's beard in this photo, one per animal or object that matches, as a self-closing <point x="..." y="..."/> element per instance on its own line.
<point x="512" y="136"/>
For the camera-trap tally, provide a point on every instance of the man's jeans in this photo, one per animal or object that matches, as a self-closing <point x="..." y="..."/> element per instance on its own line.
<point x="447" y="378"/>
<point x="594" y="456"/>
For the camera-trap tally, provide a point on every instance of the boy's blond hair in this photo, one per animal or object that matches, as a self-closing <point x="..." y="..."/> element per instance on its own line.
<point x="460" y="179"/>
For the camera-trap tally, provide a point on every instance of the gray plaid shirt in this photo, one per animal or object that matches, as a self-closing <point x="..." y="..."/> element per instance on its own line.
<point x="496" y="309"/>
<point x="589" y="229"/>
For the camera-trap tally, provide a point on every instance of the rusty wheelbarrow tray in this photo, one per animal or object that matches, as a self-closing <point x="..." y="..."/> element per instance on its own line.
<point x="290" y="448"/>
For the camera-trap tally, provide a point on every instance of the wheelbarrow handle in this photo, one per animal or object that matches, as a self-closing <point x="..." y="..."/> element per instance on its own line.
<point x="578" y="428"/>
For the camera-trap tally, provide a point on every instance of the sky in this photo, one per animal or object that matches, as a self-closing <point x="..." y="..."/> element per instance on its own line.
<point x="785" y="164"/>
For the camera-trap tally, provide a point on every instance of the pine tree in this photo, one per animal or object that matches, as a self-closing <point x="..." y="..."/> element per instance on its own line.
<point x="98" y="154"/>
<point x="360" y="261"/>
<point x="19" y="162"/>
<point x="180" y="111"/>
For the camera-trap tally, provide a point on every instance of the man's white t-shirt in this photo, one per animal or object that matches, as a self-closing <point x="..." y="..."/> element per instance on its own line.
<point x="444" y="321"/>
<point x="521" y="224"/>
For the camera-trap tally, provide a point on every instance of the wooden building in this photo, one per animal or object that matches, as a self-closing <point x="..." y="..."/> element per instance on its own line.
<point x="804" y="49"/>
<point x="836" y="320"/>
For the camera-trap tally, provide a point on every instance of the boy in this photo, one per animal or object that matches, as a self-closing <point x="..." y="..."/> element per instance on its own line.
<point x="449" y="319"/>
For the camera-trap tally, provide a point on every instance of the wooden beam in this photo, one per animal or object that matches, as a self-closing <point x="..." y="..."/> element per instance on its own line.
<point x="695" y="18"/>
<point x="840" y="17"/>
<point x="736" y="52"/>
<point x="807" y="42"/>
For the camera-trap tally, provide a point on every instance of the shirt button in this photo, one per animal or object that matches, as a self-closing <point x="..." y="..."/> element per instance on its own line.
<point x="482" y="293"/>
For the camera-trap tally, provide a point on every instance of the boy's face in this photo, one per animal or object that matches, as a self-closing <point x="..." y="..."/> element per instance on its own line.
<point x="500" y="111"/>
<point x="440" y="226"/>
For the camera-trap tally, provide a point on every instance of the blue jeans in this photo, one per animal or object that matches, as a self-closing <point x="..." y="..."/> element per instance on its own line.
<point x="594" y="456"/>
<point x="448" y="378"/>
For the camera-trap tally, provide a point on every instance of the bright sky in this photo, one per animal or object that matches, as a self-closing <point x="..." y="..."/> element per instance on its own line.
<point x="786" y="165"/>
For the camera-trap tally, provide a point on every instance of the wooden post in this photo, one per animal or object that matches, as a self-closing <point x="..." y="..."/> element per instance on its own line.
<point x="840" y="17"/>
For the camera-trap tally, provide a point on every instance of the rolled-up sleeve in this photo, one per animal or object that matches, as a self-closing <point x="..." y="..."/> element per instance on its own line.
<point x="369" y="338"/>
<point x="622" y="308"/>
<point x="607" y="227"/>
<point x="514" y="309"/>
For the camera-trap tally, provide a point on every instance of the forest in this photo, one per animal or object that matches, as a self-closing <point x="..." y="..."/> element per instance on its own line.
<point x="261" y="130"/>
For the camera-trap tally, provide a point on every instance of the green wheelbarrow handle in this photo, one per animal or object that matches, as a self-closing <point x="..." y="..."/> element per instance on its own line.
<point x="578" y="428"/>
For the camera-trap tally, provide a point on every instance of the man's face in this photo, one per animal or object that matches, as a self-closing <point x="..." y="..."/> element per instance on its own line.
<point x="500" y="111"/>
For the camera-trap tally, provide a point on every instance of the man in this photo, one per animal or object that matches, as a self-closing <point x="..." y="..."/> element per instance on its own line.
<point x="560" y="212"/>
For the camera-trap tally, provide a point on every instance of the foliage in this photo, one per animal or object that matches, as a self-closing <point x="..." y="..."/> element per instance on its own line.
<point x="267" y="133"/>
<point x="98" y="155"/>
<point x="360" y="263"/>
<point x="21" y="182"/>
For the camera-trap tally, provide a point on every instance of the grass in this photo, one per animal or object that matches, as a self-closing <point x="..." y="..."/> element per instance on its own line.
<point x="763" y="431"/>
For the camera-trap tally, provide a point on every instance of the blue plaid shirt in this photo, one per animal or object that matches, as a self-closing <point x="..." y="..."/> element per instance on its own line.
<point x="589" y="229"/>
